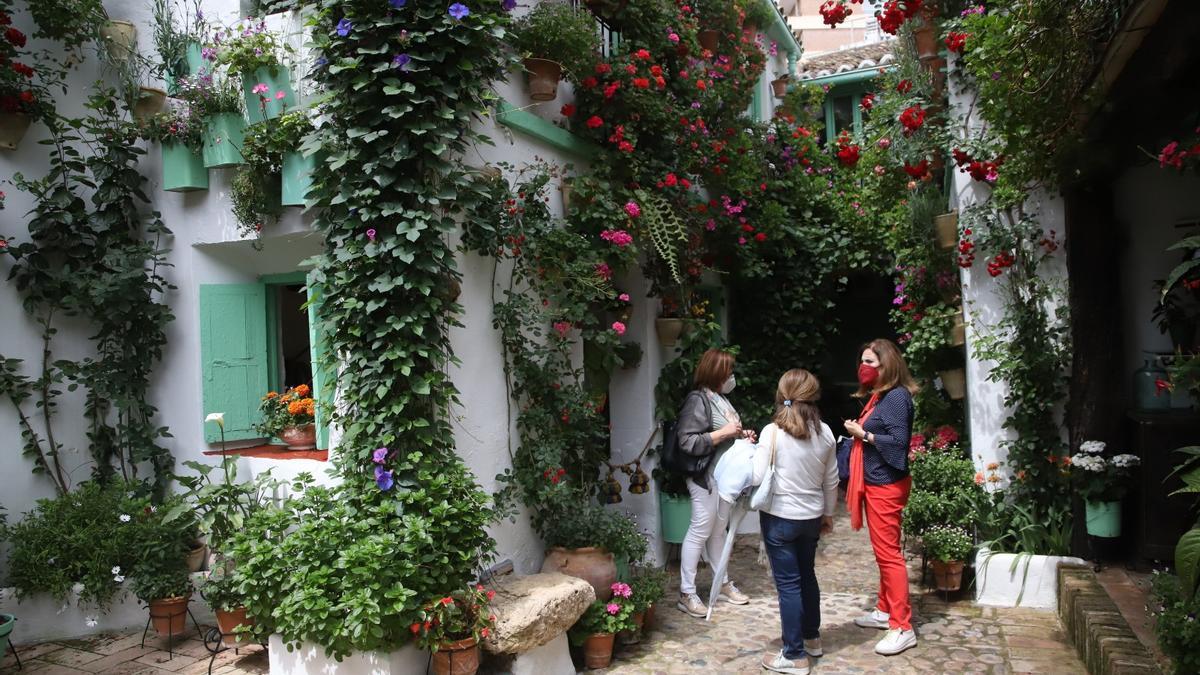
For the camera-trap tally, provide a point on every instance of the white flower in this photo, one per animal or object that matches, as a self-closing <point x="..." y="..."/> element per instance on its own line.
<point x="219" y="418"/>
<point x="1092" y="447"/>
<point x="1126" y="460"/>
<point x="116" y="569"/>
<point x="124" y="517"/>
<point x="90" y="621"/>
<point x="1088" y="463"/>
<point x="118" y="578"/>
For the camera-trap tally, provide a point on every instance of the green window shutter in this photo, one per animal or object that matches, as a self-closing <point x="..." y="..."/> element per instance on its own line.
<point x="322" y="371"/>
<point x="756" y="102"/>
<point x="233" y="356"/>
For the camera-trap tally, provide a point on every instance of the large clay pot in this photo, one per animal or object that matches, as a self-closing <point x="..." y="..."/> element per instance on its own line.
<point x="227" y="622"/>
<point x="13" y="127"/>
<point x="955" y="382"/>
<point x="668" y="330"/>
<point x="946" y="228"/>
<point x="120" y="39"/>
<point x="598" y="650"/>
<point x="709" y="39"/>
<point x="543" y="76"/>
<point x="150" y="101"/>
<point x="594" y="565"/>
<point x="300" y="438"/>
<point x="456" y="658"/>
<point x="779" y="87"/>
<point x="169" y="615"/>
<point x="926" y="40"/>
<point x="947" y="576"/>
<point x="196" y="557"/>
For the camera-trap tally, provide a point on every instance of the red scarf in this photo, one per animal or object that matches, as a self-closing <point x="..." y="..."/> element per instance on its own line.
<point x="856" y="490"/>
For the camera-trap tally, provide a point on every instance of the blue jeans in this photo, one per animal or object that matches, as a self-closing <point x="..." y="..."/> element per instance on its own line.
<point x="792" y="548"/>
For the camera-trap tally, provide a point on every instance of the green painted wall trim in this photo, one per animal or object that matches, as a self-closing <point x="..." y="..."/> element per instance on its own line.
<point x="323" y="379"/>
<point x="851" y="77"/>
<point x="532" y="125"/>
<point x="756" y="101"/>
<point x="297" y="277"/>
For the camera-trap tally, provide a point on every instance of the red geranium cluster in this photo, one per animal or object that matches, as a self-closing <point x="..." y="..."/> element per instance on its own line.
<point x="904" y="86"/>
<point x="671" y="180"/>
<point x="957" y="42"/>
<point x="966" y="250"/>
<point x="554" y="475"/>
<point x="1001" y="262"/>
<point x="834" y="12"/>
<point x="1173" y="154"/>
<point x="912" y="118"/>
<point x="918" y="170"/>
<point x="896" y="12"/>
<point x="867" y="102"/>
<point x="848" y="152"/>
<point x="938" y="439"/>
<point x="981" y="170"/>
<point x="16" y="94"/>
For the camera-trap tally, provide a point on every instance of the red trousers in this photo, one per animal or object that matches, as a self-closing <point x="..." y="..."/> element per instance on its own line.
<point x="884" y="506"/>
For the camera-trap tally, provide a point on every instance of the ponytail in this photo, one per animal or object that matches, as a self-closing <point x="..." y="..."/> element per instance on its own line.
<point x="795" y="403"/>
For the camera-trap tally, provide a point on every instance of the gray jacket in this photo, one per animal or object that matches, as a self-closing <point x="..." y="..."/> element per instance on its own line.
<point x="693" y="435"/>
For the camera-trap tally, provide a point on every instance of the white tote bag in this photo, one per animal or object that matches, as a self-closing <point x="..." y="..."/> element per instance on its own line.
<point x="762" y="494"/>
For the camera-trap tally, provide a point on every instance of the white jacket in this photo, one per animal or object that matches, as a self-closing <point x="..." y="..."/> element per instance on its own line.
<point x="806" y="475"/>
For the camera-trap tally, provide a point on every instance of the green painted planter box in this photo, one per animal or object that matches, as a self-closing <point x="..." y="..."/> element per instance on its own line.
<point x="277" y="80"/>
<point x="195" y="58"/>
<point x="676" y="513"/>
<point x="297" y="177"/>
<point x="224" y="135"/>
<point x="183" y="169"/>
<point x="1103" y="519"/>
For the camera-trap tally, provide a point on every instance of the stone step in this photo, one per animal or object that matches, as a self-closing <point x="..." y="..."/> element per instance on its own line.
<point x="1094" y="624"/>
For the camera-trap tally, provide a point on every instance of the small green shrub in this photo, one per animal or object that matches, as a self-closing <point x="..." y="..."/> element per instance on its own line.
<point x="558" y="32"/>
<point x="1175" y="623"/>
<point x="947" y="543"/>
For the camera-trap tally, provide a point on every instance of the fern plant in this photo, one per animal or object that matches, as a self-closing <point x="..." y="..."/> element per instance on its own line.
<point x="665" y="228"/>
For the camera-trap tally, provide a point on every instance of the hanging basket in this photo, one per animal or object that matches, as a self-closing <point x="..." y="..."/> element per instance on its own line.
<point x="150" y="102"/>
<point x="543" y="76"/>
<point x="120" y="39"/>
<point x="947" y="575"/>
<point x="668" y="331"/>
<point x="13" y="127"/>
<point x="955" y="382"/>
<point x="946" y="228"/>
<point x="926" y="40"/>
<point x="779" y="87"/>
<point x="709" y="39"/>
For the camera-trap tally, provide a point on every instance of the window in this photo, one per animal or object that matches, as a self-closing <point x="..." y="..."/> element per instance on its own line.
<point x="842" y="110"/>
<point x="255" y="338"/>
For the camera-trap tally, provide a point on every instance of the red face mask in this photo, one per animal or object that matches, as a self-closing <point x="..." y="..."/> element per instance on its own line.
<point x="867" y="375"/>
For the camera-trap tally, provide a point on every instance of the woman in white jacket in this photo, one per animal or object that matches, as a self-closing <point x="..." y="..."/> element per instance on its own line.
<point x="799" y="512"/>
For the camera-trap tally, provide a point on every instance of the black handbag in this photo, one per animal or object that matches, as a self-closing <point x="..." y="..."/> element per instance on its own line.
<point x="843" y="457"/>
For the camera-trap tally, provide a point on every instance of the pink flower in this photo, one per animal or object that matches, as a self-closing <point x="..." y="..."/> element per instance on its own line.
<point x="673" y="37"/>
<point x="624" y="297"/>
<point x="612" y="608"/>
<point x="619" y="238"/>
<point x="279" y="95"/>
<point x="371" y="233"/>
<point x="562" y="328"/>
<point x="603" y="271"/>
<point x="618" y="328"/>
<point x="884" y="143"/>
<point x="633" y="209"/>
<point x="741" y="241"/>
<point x="621" y="590"/>
<point x="260" y="88"/>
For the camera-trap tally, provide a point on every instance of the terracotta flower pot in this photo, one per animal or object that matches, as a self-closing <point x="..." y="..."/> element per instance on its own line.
<point x="227" y="622"/>
<point x="955" y="382"/>
<point x="594" y="565"/>
<point x="937" y="70"/>
<point x="196" y="557"/>
<point x="169" y="615"/>
<point x="947" y="576"/>
<point x="598" y="650"/>
<point x="779" y="87"/>
<point x="120" y="38"/>
<point x="543" y="76"/>
<point x="456" y="658"/>
<point x="648" y="621"/>
<point x="668" y="330"/>
<point x="926" y="40"/>
<point x="300" y="438"/>
<point x="13" y="127"/>
<point x="709" y="39"/>
<point x="633" y="635"/>
<point x="946" y="228"/>
<point x="958" y="332"/>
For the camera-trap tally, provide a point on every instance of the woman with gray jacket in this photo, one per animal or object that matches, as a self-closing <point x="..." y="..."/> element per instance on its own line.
<point x="707" y="426"/>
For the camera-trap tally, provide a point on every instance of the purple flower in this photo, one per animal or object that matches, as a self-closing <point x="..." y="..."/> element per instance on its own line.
<point x="508" y="5"/>
<point x="208" y="54"/>
<point x="380" y="454"/>
<point x="321" y="62"/>
<point x="400" y="61"/>
<point x="343" y="27"/>
<point x="459" y="11"/>
<point x="371" y="233"/>
<point x="383" y="478"/>
<point x="397" y="4"/>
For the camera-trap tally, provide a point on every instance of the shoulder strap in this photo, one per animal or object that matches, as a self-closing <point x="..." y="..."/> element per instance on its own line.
<point x="774" y="435"/>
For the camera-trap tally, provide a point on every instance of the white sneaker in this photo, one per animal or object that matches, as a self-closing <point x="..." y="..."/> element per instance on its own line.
<point x="813" y="647"/>
<point x="732" y="595"/>
<point x="896" y="641"/>
<point x="776" y="663"/>
<point x="691" y="605"/>
<point x="873" y="619"/>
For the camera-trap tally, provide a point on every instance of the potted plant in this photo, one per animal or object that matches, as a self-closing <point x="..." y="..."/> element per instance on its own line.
<point x="584" y="539"/>
<point x="180" y="134"/>
<point x="72" y="23"/>
<point x="553" y="37"/>
<point x="148" y="102"/>
<point x="220" y="592"/>
<point x="947" y="547"/>
<point x="297" y="166"/>
<point x="160" y="576"/>
<point x="598" y="626"/>
<point x="954" y="381"/>
<point x="291" y="416"/>
<point x="669" y="324"/>
<point x="648" y="585"/>
<point x="779" y="86"/>
<point x="178" y="47"/>
<point x="1101" y="482"/>
<point x="219" y="106"/>
<point x="452" y="626"/>
<point x="755" y="16"/>
<point x="254" y="54"/>
<point x="21" y="101"/>
<point x="120" y="39"/>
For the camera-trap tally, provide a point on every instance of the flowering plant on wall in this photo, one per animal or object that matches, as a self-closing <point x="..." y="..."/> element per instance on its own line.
<point x="177" y="125"/>
<point x="293" y="408"/>
<point x="462" y="614"/>
<point x="246" y="47"/>
<point x="18" y="91"/>
<point x="207" y="95"/>
<point x="1099" y="478"/>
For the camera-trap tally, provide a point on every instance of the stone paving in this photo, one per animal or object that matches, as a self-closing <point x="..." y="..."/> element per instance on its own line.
<point x="121" y="654"/>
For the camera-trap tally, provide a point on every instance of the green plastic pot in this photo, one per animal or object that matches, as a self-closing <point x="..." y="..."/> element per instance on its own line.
<point x="676" y="514"/>
<point x="194" y="57"/>
<point x="297" y="177"/>
<point x="183" y="169"/>
<point x="1103" y="519"/>
<point x="277" y="80"/>
<point x="224" y="134"/>
<point x="6" y="628"/>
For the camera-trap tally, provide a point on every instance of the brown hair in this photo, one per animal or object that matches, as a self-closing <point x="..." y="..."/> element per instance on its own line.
<point x="715" y="366"/>
<point x="893" y="371"/>
<point x="796" y="403"/>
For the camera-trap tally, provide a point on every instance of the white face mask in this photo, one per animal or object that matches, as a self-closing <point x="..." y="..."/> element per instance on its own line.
<point x="729" y="385"/>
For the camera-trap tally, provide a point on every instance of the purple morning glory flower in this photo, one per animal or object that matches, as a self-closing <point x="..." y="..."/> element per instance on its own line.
<point x="321" y="62"/>
<point x="508" y="5"/>
<point x="459" y="11"/>
<point x="401" y="60"/>
<point x="383" y="478"/>
<point x="379" y="455"/>
<point x="343" y="27"/>
<point x="397" y="4"/>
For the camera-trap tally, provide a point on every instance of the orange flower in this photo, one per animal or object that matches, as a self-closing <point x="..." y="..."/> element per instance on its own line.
<point x="993" y="466"/>
<point x="296" y="408"/>
<point x="302" y="390"/>
<point x="271" y="394"/>
<point x="979" y="478"/>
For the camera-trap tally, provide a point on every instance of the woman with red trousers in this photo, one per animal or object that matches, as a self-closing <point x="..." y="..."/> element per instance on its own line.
<point x="880" y="482"/>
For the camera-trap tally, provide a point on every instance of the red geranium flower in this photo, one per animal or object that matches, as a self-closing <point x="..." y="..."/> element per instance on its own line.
<point x="904" y="86"/>
<point x="15" y="36"/>
<point x="594" y="122"/>
<point x="867" y="102"/>
<point x="589" y="82"/>
<point x="602" y="68"/>
<point x="567" y="110"/>
<point x="912" y="118"/>
<point x="920" y="169"/>
<point x="957" y="42"/>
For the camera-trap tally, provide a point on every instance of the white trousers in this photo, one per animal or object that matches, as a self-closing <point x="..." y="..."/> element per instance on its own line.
<point x="705" y="535"/>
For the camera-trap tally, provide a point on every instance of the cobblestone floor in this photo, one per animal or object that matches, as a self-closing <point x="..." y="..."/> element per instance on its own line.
<point x="121" y="654"/>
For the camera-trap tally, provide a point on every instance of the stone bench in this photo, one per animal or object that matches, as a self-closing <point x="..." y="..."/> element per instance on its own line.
<point x="533" y="614"/>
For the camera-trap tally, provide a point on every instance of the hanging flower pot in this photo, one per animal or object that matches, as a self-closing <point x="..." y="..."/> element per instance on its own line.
<point x="196" y="556"/>
<point x="183" y="168"/>
<point x="675" y="514"/>
<point x="268" y="93"/>
<point x="297" y="177"/>
<point x="779" y="87"/>
<point x="958" y="332"/>
<point x="1103" y="518"/>
<point x="169" y="615"/>
<point x="926" y="40"/>
<point x="228" y="620"/>
<point x="456" y="658"/>
<point x="955" y="382"/>
<point x="543" y="76"/>
<point x="937" y="70"/>
<point x="946" y="228"/>
<point x="668" y="330"/>
<point x="120" y="39"/>
<point x="300" y="438"/>
<point x="709" y="39"/>
<point x="224" y="134"/>
<point x="594" y="565"/>
<point x="13" y="127"/>
<point x="150" y="102"/>
<point x="598" y="650"/>
<point x="947" y="576"/>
